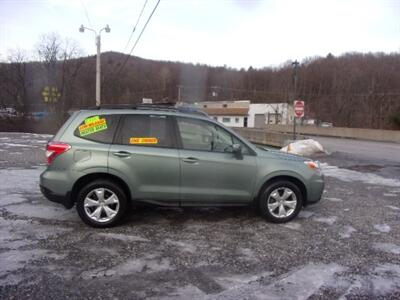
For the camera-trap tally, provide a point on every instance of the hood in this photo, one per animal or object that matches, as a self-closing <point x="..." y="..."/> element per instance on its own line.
<point x="276" y="154"/>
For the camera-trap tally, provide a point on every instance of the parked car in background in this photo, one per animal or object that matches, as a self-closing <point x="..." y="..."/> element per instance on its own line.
<point x="8" y="112"/>
<point x="103" y="159"/>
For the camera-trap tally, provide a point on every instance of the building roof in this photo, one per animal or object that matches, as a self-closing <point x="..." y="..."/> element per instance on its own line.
<point x="226" y="111"/>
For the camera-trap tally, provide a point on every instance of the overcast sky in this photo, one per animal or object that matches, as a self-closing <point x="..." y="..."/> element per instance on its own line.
<point x="216" y="32"/>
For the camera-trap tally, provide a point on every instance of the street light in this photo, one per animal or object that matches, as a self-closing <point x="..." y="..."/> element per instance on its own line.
<point x="98" y="68"/>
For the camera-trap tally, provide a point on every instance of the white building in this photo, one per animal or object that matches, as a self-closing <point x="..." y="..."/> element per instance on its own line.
<point x="229" y="113"/>
<point x="262" y="114"/>
<point x="242" y="113"/>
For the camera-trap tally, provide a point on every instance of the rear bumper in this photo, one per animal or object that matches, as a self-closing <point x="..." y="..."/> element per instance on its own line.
<point x="55" y="186"/>
<point x="53" y="197"/>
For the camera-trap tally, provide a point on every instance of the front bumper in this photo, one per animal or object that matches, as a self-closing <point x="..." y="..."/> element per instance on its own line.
<point x="315" y="189"/>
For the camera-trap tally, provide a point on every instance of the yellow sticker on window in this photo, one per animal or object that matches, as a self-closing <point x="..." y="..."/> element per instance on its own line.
<point x="92" y="125"/>
<point x="143" y="140"/>
<point x="92" y="119"/>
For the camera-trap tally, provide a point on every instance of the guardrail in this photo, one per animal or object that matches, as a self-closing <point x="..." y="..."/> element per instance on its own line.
<point x="342" y="132"/>
<point x="261" y="136"/>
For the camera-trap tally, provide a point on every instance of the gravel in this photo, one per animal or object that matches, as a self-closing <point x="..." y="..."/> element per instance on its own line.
<point x="346" y="246"/>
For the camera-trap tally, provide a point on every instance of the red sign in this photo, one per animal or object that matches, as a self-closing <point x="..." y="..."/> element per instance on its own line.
<point x="299" y="108"/>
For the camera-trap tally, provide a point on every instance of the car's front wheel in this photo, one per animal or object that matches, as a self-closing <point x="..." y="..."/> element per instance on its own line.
<point x="280" y="201"/>
<point x="101" y="203"/>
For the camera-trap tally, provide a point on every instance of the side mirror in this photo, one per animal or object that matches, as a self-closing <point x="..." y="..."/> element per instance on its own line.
<point x="237" y="150"/>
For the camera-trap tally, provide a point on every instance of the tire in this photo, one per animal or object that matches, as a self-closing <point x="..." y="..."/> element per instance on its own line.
<point x="101" y="203"/>
<point x="273" y="199"/>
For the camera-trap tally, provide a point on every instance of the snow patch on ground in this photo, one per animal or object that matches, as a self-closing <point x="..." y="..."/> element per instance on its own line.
<point x="389" y="195"/>
<point x="387" y="247"/>
<point x="385" y="228"/>
<point x="326" y="220"/>
<point x="183" y="246"/>
<point x="149" y="264"/>
<point x="393" y="207"/>
<point x="352" y="176"/>
<point x="187" y="292"/>
<point x="6" y="199"/>
<point x="247" y="254"/>
<point x="346" y="232"/>
<point x="382" y="280"/>
<point x="234" y="280"/>
<point x="300" y="284"/>
<point x="16" y="259"/>
<point x="47" y="211"/>
<point x="18" y="145"/>
<point x="305" y="214"/>
<point x="18" y="233"/>
<point x="21" y="180"/>
<point x="26" y="181"/>
<point x="292" y="225"/>
<point x="334" y="199"/>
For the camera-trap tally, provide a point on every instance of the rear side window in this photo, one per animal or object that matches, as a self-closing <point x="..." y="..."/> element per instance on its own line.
<point x="146" y="130"/>
<point x="98" y="128"/>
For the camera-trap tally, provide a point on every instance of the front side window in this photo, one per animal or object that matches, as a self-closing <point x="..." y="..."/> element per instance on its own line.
<point x="98" y="128"/>
<point x="146" y="130"/>
<point x="205" y="136"/>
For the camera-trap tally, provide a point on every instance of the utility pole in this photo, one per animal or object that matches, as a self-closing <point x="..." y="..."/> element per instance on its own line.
<point x="179" y="93"/>
<point x="98" y="64"/>
<point x="295" y="65"/>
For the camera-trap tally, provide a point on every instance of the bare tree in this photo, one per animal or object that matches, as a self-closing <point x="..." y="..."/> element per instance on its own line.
<point x="16" y="79"/>
<point x="60" y="58"/>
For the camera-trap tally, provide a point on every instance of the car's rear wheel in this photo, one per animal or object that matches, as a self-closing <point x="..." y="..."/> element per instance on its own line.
<point x="281" y="201"/>
<point x="101" y="203"/>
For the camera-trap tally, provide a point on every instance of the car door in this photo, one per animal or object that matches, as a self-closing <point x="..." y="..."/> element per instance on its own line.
<point x="145" y="153"/>
<point x="210" y="171"/>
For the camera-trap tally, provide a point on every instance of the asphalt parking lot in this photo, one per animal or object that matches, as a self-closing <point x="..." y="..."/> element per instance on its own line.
<point x="347" y="246"/>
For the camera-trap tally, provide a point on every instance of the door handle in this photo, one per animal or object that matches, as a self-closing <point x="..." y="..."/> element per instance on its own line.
<point x="122" y="154"/>
<point x="190" y="160"/>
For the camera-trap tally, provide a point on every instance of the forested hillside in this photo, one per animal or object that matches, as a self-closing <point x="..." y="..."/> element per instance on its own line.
<point x="354" y="90"/>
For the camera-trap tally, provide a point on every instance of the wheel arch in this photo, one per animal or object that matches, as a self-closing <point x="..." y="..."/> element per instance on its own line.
<point x="81" y="182"/>
<point x="299" y="183"/>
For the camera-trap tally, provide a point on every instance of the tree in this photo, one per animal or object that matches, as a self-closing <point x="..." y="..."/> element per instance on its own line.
<point x="16" y="79"/>
<point x="60" y="59"/>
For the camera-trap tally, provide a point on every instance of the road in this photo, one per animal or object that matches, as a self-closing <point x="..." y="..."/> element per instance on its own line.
<point x="347" y="246"/>
<point x="364" y="149"/>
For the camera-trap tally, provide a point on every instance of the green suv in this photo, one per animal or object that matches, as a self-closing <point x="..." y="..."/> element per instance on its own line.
<point x="101" y="160"/>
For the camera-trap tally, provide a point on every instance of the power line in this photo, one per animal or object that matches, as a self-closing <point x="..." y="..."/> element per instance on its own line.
<point x="134" y="28"/>
<point x="86" y="13"/>
<point x="138" y="38"/>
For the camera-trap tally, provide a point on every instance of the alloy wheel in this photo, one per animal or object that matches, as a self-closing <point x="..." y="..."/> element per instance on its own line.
<point x="282" y="202"/>
<point x="101" y="205"/>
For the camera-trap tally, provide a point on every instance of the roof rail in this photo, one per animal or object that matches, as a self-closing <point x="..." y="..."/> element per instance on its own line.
<point x="133" y="106"/>
<point x="169" y="106"/>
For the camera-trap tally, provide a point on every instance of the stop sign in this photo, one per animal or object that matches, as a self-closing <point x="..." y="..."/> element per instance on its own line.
<point x="299" y="108"/>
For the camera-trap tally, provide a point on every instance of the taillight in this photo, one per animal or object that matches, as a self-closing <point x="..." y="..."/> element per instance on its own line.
<point x="54" y="149"/>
